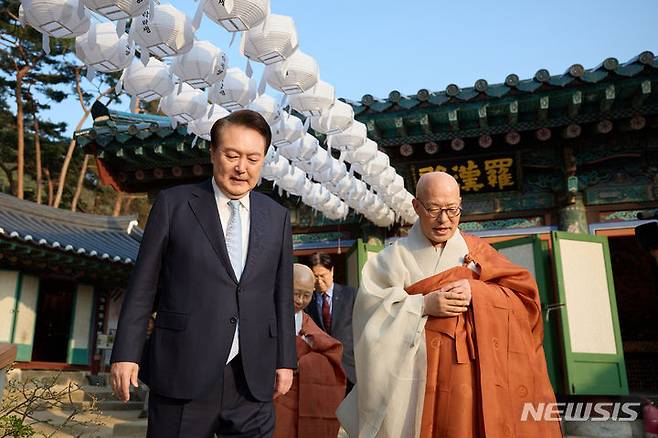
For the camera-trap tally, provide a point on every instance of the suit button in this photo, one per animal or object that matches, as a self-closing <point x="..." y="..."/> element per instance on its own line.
<point x="239" y="290"/>
<point x="233" y="320"/>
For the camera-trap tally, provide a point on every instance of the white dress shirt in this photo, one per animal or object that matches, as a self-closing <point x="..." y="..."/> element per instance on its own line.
<point x="224" y="215"/>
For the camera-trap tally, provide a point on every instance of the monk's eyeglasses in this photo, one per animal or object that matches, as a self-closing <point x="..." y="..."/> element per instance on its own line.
<point x="435" y="213"/>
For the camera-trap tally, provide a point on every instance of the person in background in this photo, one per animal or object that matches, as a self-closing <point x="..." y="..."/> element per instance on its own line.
<point x="331" y="309"/>
<point x="309" y="408"/>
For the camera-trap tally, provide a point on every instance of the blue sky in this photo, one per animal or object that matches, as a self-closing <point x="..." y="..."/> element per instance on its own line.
<point x="367" y="46"/>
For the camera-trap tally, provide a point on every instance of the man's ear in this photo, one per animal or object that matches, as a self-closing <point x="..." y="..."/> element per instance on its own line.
<point x="416" y="206"/>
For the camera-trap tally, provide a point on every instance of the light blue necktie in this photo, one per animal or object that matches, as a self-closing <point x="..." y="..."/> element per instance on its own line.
<point x="234" y="238"/>
<point x="234" y="248"/>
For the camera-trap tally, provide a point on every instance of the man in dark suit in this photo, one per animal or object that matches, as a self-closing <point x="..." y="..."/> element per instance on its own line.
<point x="217" y="259"/>
<point x="331" y="309"/>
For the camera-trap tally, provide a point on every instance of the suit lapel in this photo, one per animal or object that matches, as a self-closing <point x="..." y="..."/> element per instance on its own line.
<point x="257" y="223"/>
<point x="204" y="207"/>
<point x="335" y="304"/>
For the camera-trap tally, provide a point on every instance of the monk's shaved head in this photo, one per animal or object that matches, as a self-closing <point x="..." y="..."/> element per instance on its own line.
<point x="436" y="181"/>
<point x="303" y="286"/>
<point x="438" y="205"/>
<point x="303" y="277"/>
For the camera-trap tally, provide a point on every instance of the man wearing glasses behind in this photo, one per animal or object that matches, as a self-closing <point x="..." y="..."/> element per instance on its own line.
<point x="448" y="334"/>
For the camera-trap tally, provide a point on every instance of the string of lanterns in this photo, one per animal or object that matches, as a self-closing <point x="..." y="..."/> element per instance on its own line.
<point x="196" y="87"/>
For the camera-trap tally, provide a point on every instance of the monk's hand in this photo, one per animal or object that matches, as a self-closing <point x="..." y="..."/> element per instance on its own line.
<point x="444" y="304"/>
<point x="462" y="287"/>
<point x="283" y="382"/>
<point x="122" y="375"/>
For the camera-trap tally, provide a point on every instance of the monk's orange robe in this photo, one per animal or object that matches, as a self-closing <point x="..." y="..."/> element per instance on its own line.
<point x="485" y="364"/>
<point x="308" y="410"/>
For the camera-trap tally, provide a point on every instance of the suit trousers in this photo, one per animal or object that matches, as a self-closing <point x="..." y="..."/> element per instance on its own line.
<point x="227" y="411"/>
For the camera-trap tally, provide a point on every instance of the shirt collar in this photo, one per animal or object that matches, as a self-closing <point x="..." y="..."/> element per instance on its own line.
<point x="330" y="291"/>
<point x="222" y="199"/>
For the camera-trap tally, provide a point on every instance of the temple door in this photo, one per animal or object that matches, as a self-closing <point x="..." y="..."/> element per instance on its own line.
<point x="356" y="258"/>
<point x="591" y="337"/>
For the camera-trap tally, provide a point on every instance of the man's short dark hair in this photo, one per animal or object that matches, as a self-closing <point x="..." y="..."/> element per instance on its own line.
<point x="321" y="259"/>
<point x="244" y="117"/>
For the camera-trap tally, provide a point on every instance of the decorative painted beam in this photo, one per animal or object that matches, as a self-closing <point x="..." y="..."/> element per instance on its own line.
<point x="482" y="116"/>
<point x="485" y="141"/>
<point x="512" y="138"/>
<point x="425" y="124"/>
<point x="575" y="103"/>
<point x="603" y="127"/>
<point x="572" y="131"/>
<point x="513" y="116"/>
<point x="373" y="131"/>
<point x="543" y="134"/>
<point x="401" y="131"/>
<point x="634" y="124"/>
<point x="544" y="104"/>
<point x="608" y="98"/>
<point x="642" y="94"/>
<point x="453" y="119"/>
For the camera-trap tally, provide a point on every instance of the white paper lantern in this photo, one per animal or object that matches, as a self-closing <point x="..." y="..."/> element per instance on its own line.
<point x="150" y="82"/>
<point x="396" y="186"/>
<point x="204" y="65"/>
<point x="362" y="154"/>
<point x="314" y="101"/>
<point x="344" y="187"/>
<point x="287" y="130"/>
<point x="267" y="107"/>
<point x="337" y="211"/>
<point x="56" y="18"/>
<point x="188" y="105"/>
<point x="118" y="9"/>
<point x="335" y="119"/>
<point x="377" y="165"/>
<point x="102" y="50"/>
<point x="293" y="182"/>
<point x="235" y="91"/>
<point x="317" y="163"/>
<point x="237" y="15"/>
<point x="274" y="40"/>
<point x="382" y="179"/>
<point x="298" y="73"/>
<point x="168" y="33"/>
<point x="350" y="138"/>
<point x="333" y="202"/>
<point x="334" y="173"/>
<point x="357" y="191"/>
<point x="201" y="127"/>
<point x="317" y="196"/>
<point x="301" y="150"/>
<point x="275" y="166"/>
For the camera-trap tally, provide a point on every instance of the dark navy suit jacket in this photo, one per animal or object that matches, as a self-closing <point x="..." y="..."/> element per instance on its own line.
<point x="342" y="303"/>
<point x="184" y="267"/>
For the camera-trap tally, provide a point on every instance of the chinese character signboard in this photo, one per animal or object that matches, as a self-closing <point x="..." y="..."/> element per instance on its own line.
<point x="476" y="174"/>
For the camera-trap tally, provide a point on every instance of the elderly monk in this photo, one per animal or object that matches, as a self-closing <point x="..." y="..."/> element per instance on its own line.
<point x="308" y="410"/>
<point x="448" y="334"/>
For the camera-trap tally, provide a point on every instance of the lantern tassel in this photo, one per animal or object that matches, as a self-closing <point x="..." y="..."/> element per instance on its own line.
<point x="248" y="70"/>
<point x="194" y="140"/>
<point x="118" y="87"/>
<point x="133" y="104"/>
<point x="174" y="122"/>
<point x="211" y="111"/>
<point x="180" y="88"/>
<point x="307" y="124"/>
<point x="91" y="73"/>
<point x="144" y="55"/>
<point x="121" y="27"/>
<point x="232" y="39"/>
<point x="45" y="43"/>
<point x="196" y="21"/>
<point x="262" y="85"/>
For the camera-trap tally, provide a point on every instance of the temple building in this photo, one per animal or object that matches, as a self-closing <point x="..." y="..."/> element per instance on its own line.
<point x="61" y="275"/>
<point x="555" y="170"/>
